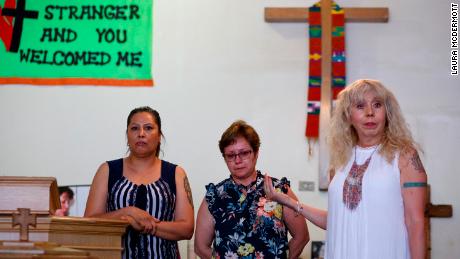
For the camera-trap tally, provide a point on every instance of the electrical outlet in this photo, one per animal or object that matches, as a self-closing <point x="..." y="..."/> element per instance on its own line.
<point x="306" y="186"/>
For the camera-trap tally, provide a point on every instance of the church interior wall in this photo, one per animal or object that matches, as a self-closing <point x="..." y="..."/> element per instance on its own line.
<point x="218" y="61"/>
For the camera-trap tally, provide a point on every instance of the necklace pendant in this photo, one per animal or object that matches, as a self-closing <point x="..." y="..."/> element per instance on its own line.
<point x="352" y="187"/>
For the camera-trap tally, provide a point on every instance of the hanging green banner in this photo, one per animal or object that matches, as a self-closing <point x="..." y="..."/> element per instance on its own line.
<point x="85" y="42"/>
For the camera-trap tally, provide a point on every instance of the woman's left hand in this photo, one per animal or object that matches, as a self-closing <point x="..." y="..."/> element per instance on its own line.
<point x="272" y="194"/>
<point x="140" y="227"/>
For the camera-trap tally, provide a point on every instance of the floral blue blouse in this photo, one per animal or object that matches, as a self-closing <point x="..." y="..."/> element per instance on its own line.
<point x="246" y="224"/>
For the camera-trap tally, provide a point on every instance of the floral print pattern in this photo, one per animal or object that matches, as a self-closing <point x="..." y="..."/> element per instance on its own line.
<point x="247" y="225"/>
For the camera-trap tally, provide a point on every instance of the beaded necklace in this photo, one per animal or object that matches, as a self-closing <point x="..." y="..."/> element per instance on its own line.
<point x="352" y="188"/>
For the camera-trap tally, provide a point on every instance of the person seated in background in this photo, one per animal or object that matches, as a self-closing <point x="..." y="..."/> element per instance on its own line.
<point x="153" y="195"/>
<point x="235" y="220"/>
<point x="66" y="199"/>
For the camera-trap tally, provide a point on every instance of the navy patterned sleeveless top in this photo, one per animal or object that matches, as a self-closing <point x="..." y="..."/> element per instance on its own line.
<point x="157" y="198"/>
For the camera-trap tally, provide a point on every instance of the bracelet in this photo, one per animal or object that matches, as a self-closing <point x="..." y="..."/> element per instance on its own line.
<point x="155" y="228"/>
<point x="299" y="208"/>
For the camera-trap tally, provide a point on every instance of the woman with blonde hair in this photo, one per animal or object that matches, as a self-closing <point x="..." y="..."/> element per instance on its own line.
<point x="376" y="197"/>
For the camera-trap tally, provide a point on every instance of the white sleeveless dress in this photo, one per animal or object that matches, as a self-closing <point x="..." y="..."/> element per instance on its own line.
<point x="375" y="229"/>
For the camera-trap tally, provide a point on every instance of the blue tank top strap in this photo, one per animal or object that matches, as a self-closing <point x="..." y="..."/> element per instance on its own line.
<point x="168" y="173"/>
<point x="115" y="171"/>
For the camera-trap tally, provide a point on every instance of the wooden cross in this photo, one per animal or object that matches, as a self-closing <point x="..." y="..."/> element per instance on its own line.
<point x="275" y="14"/>
<point x="24" y="219"/>
<point x="433" y="211"/>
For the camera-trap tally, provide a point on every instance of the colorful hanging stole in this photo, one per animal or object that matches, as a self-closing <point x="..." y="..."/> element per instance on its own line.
<point x="338" y="63"/>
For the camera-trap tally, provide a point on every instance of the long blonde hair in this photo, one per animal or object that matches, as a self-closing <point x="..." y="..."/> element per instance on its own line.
<point x="343" y="136"/>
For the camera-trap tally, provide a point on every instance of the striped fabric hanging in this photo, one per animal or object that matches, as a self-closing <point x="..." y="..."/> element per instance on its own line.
<point x="338" y="63"/>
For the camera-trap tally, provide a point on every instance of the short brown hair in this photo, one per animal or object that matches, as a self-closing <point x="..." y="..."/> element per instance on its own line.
<point x="63" y="189"/>
<point x="239" y="128"/>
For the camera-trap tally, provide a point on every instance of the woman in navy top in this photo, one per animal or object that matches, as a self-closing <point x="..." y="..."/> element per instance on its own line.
<point x="153" y="195"/>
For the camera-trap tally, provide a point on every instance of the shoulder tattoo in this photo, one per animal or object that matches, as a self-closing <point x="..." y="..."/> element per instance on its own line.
<point x="417" y="163"/>
<point x="188" y="190"/>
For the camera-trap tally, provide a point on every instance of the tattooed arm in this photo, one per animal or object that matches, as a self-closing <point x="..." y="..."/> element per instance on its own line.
<point x="183" y="224"/>
<point x="413" y="184"/>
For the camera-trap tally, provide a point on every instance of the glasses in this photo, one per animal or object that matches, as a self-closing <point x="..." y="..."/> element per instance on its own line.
<point x="243" y="155"/>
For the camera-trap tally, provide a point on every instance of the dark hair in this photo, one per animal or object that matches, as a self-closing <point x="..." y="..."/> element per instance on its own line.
<point x="66" y="189"/>
<point x="239" y="128"/>
<point x="156" y="117"/>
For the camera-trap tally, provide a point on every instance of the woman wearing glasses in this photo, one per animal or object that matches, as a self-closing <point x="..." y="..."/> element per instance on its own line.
<point x="235" y="220"/>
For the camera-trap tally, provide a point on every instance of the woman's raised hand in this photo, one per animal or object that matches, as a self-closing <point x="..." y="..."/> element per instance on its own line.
<point x="268" y="187"/>
<point x="271" y="193"/>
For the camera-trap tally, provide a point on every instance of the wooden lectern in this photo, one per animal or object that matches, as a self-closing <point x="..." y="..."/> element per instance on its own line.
<point x="102" y="238"/>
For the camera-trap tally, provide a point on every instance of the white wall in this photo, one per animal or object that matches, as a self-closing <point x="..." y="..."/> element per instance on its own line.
<point x="77" y="208"/>
<point x="216" y="61"/>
